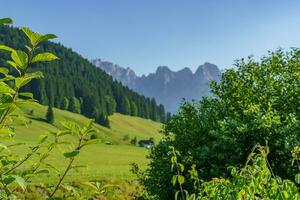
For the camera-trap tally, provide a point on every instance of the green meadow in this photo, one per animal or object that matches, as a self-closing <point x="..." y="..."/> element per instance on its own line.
<point x="109" y="159"/>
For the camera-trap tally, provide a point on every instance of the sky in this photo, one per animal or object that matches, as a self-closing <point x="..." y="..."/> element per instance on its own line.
<point x="145" y="34"/>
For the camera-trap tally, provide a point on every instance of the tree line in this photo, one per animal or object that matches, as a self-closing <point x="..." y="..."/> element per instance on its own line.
<point x="73" y="83"/>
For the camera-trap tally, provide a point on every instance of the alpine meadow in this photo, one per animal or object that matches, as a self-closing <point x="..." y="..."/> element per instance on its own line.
<point x="158" y="125"/>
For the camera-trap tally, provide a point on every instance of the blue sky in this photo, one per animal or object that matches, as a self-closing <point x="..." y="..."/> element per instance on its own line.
<point x="143" y="34"/>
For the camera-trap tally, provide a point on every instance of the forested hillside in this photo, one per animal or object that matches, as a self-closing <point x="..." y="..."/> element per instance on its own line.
<point x="73" y="83"/>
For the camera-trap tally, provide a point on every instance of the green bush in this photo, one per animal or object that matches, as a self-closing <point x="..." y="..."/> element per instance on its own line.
<point x="255" y="102"/>
<point x="255" y="180"/>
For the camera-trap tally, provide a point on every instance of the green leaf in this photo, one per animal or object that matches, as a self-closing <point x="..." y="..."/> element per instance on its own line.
<point x="20" y="103"/>
<point x="181" y="180"/>
<point x="36" y="38"/>
<point x="26" y="94"/>
<point x="42" y="138"/>
<point x="47" y="37"/>
<point x="6" y="21"/>
<point x="174" y="180"/>
<point x="5" y="89"/>
<point x="20" y="181"/>
<point x="21" y="81"/>
<point x="20" y="58"/>
<point x="297" y="178"/>
<point x="6" y="48"/>
<point x="4" y="71"/>
<point x="71" y="154"/>
<point x="61" y="133"/>
<point x="44" y="57"/>
<point x="90" y="142"/>
<point x="14" y="65"/>
<point x="5" y="106"/>
<point x="91" y="185"/>
<point x="8" y="180"/>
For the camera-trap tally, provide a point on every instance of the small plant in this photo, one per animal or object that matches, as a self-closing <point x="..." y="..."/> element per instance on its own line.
<point x="14" y="177"/>
<point x="254" y="181"/>
<point x="133" y="141"/>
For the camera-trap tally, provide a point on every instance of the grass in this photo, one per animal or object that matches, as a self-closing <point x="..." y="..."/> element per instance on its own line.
<point x="103" y="161"/>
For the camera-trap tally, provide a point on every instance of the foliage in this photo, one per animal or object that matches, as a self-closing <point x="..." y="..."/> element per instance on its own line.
<point x="84" y="85"/>
<point x="14" y="175"/>
<point x="255" y="180"/>
<point x="258" y="101"/>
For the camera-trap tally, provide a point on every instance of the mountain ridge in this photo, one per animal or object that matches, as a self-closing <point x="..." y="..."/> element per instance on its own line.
<point x="168" y="87"/>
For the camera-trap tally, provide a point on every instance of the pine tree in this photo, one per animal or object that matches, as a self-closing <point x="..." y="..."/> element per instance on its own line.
<point x="106" y="122"/>
<point x="50" y="115"/>
<point x="65" y="104"/>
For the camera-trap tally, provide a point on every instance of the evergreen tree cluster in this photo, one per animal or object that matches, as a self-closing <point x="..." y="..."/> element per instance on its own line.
<point x="73" y="83"/>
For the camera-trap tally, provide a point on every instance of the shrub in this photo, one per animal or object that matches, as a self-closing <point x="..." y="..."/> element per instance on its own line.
<point x="253" y="103"/>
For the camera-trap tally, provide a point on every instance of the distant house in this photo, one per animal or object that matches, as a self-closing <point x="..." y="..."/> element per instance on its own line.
<point x="146" y="143"/>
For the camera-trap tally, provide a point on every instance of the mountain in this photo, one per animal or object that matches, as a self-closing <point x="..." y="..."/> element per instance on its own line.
<point x="166" y="86"/>
<point x="73" y="83"/>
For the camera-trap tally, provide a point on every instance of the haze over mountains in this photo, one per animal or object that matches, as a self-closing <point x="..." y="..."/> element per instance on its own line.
<point x="166" y="86"/>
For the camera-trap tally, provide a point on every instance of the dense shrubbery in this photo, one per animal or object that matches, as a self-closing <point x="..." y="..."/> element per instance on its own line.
<point x="255" y="180"/>
<point x="255" y="103"/>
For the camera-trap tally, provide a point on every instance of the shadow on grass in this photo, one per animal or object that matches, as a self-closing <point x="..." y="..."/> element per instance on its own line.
<point x="37" y="119"/>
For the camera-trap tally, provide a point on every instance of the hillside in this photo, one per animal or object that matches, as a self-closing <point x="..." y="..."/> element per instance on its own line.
<point x="73" y="83"/>
<point x="109" y="161"/>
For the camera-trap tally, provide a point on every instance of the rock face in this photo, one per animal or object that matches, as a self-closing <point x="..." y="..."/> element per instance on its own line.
<point x="166" y="86"/>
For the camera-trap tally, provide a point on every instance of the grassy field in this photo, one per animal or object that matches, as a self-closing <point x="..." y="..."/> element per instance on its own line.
<point x="103" y="161"/>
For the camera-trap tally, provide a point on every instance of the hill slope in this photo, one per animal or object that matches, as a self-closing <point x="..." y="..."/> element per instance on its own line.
<point x="103" y="161"/>
<point x="73" y="83"/>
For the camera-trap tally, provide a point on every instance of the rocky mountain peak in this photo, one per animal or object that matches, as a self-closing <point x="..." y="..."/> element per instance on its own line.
<point x="166" y="86"/>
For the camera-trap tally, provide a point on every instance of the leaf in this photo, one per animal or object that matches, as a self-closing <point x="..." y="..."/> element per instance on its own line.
<point x="6" y="48"/>
<point x="26" y="94"/>
<point x="44" y="57"/>
<point x="174" y="180"/>
<point x="5" y="89"/>
<point x="21" y="81"/>
<point x="6" y="21"/>
<point x="47" y="37"/>
<point x="91" y="185"/>
<point x="8" y="180"/>
<point x="42" y="138"/>
<point x="72" y="126"/>
<point x="181" y="180"/>
<point x="71" y="154"/>
<point x="4" y="71"/>
<point x="297" y="178"/>
<point x="20" y="103"/>
<point x="90" y="142"/>
<point x="61" y="133"/>
<point x="20" y="181"/>
<point x="36" y="38"/>
<point x="20" y="58"/>
<point x="14" y="65"/>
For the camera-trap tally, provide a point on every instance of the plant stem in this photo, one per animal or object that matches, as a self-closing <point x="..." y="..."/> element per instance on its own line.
<point x="22" y="161"/>
<point x="67" y="169"/>
<point x="62" y="177"/>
